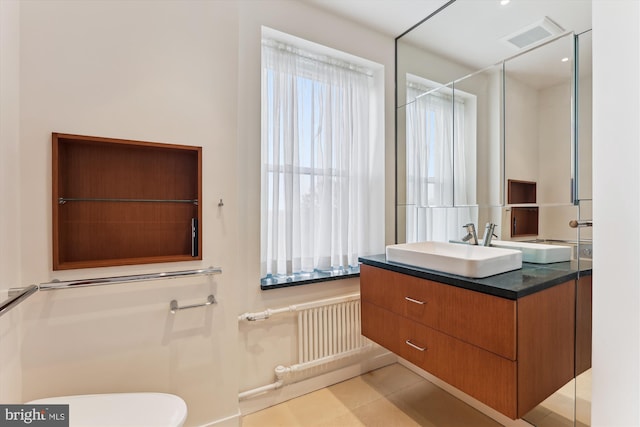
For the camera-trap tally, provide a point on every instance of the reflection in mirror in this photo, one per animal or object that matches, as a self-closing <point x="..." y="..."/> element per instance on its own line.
<point x="538" y="139"/>
<point x="482" y="174"/>
<point x="440" y="133"/>
<point x="584" y="119"/>
<point x="538" y="119"/>
<point x="449" y="151"/>
<point x="471" y="35"/>
<point x="511" y="123"/>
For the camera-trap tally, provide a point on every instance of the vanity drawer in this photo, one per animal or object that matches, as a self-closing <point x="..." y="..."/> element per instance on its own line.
<point x="479" y="373"/>
<point x="480" y="319"/>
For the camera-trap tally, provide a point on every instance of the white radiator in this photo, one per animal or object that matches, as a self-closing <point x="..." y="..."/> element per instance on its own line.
<point x="329" y="330"/>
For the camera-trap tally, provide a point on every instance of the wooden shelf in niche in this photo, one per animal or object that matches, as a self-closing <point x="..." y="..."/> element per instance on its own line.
<point x="122" y="202"/>
<point x="524" y="221"/>
<point x="521" y="192"/>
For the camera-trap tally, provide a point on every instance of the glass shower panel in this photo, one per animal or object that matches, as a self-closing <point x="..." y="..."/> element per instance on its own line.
<point x="584" y="316"/>
<point x="585" y="233"/>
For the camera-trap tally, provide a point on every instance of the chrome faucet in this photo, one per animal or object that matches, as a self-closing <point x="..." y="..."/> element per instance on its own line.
<point x="471" y="236"/>
<point x="488" y="234"/>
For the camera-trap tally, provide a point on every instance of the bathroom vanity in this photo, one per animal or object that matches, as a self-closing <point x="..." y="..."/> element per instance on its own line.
<point x="507" y="340"/>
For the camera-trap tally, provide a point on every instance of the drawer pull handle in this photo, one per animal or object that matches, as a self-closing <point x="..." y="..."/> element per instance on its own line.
<point x="414" y="300"/>
<point x="409" y="343"/>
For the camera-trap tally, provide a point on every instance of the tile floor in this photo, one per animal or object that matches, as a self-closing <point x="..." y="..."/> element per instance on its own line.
<point x="561" y="407"/>
<point x="392" y="396"/>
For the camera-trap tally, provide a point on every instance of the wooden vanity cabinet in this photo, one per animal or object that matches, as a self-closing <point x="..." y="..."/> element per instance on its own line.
<point x="479" y="319"/>
<point x="508" y="354"/>
<point x="583" y="324"/>
<point x="479" y="373"/>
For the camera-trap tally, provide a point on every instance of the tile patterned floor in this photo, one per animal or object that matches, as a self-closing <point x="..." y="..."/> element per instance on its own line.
<point x="561" y="407"/>
<point x="392" y="396"/>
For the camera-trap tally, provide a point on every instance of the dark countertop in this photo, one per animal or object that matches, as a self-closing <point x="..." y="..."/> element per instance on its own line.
<point x="531" y="278"/>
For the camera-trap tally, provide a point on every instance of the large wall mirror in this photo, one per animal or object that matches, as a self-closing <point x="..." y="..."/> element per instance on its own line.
<point x="494" y="126"/>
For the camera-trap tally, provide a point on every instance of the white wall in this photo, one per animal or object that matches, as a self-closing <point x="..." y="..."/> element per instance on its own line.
<point x="554" y="144"/>
<point x="554" y="161"/>
<point x="521" y="131"/>
<point x="153" y="71"/>
<point x="10" y="374"/>
<point x="616" y="210"/>
<point x="9" y="143"/>
<point x="175" y="72"/>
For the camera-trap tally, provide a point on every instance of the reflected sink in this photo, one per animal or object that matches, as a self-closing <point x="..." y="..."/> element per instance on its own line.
<point x="453" y="258"/>
<point x="538" y="253"/>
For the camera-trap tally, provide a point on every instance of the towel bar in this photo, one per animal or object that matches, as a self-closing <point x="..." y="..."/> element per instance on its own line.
<point x="173" y="305"/>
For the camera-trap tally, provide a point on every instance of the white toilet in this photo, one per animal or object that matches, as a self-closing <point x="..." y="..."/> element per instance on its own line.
<point x="122" y="409"/>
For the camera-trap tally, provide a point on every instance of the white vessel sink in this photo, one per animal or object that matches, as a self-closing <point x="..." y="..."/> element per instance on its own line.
<point x="538" y="253"/>
<point x="463" y="260"/>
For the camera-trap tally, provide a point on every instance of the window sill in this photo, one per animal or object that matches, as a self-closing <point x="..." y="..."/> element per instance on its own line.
<point x="307" y="278"/>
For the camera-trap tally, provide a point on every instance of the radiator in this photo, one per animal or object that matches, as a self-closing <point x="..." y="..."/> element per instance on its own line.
<point x="329" y="330"/>
<point x="329" y="333"/>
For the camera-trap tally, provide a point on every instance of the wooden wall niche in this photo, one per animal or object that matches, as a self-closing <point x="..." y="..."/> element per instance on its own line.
<point x="520" y="191"/>
<point x="121" y="202"/>
<point x="524" y="220"/>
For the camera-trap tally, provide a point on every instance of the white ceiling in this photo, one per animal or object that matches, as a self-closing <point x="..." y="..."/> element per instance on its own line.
<point x="468" y="32"/>
<point x="391" y="17"/>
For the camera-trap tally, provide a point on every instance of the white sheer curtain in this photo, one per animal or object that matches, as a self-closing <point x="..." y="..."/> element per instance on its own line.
<point x="316" y="171"/>
<point x="438" y="200"/>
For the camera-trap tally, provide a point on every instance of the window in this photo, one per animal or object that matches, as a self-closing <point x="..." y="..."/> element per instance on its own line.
<point x="321" y="155"/>
<point x="440" y="161"/>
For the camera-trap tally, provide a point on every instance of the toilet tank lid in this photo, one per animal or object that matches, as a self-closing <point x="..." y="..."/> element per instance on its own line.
<point x="122" y="409"/>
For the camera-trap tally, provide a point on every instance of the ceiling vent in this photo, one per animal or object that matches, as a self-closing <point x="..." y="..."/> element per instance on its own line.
<point x="534" y="33"/>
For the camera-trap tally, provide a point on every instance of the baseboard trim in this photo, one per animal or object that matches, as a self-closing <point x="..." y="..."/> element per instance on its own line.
<point x="309" y="385"/>
<point x="234" y="420"/>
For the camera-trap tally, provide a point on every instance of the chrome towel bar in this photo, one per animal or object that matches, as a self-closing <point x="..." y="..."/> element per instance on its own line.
<point x="18" y="296"/>
<point x="56" y="284"/>
<point x="173" y="305"/>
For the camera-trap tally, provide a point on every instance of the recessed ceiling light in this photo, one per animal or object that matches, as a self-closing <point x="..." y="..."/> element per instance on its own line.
<point x="504" y="2"/>
<point x="565" y="59"/>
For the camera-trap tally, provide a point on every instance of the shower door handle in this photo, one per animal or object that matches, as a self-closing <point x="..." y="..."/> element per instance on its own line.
<point x="574" y="223"/>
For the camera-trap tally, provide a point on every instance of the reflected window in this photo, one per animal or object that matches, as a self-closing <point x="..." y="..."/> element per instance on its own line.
<point x="440" y="161"/>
